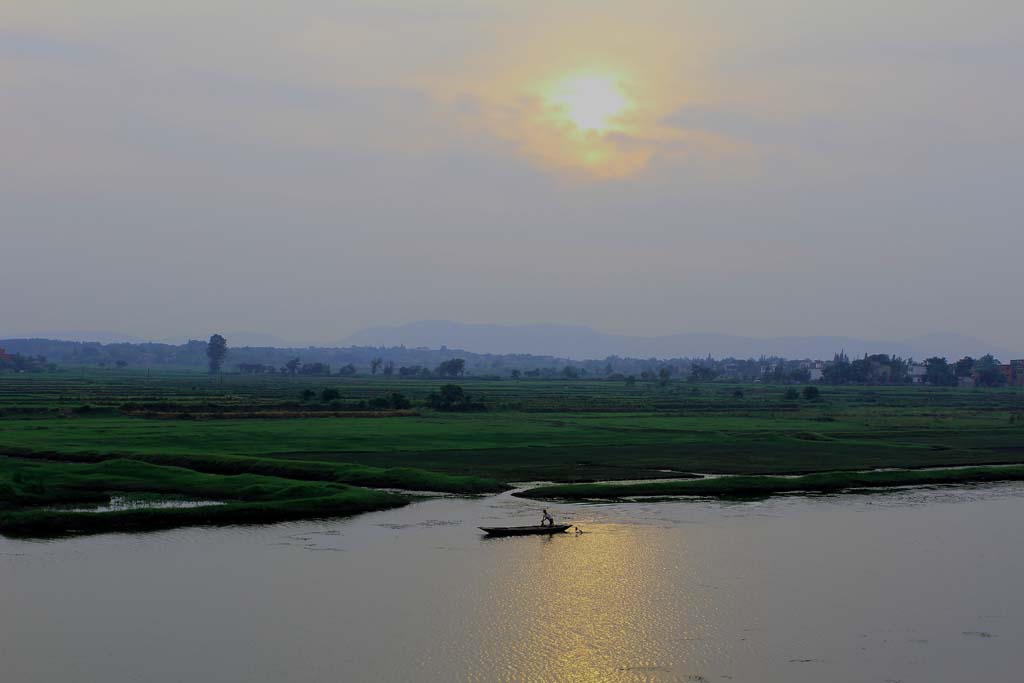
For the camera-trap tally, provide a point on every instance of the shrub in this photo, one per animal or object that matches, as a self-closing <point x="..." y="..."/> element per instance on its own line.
<point x="452" y="398"/>
<point x="792" y="393"/>
<point x="811" y="393"/>
<point x="307" y="394"/>
<point x="330" y="395"/>
<point x="399" y="401"/>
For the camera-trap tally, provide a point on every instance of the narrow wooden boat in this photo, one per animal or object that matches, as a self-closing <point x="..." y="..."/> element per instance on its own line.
<point x="524" y="530"/>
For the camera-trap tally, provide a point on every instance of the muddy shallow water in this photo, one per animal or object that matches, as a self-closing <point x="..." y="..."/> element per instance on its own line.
<point x="910" y="585"/>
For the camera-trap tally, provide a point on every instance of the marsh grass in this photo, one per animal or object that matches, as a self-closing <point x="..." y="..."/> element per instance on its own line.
<point x="760" y="486"/>
<point x="359" y="475"/>
<point x="130" y="429"/>
<point x="26" y="487"/>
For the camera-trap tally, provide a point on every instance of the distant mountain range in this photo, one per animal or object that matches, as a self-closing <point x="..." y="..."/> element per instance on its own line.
<point x="581" y="342"/>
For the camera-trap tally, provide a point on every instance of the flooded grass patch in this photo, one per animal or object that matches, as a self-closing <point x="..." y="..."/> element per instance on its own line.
<point x="30" y="490"/>
<point x="136" y="502"/>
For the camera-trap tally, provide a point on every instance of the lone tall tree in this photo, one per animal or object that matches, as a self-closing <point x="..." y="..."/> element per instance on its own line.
<point x="215" y="352"/>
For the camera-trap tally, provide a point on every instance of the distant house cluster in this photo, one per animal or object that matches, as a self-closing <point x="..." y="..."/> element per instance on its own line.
<point x="19" y="363"/>
<point x="1014" y="372"/>
<point x="881" y="369"/>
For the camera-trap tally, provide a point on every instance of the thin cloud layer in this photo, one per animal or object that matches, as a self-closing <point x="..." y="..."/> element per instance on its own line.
<point x="799" y="168"/>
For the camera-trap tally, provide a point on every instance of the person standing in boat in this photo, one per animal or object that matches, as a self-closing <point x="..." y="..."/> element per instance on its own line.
<point x="547" y="520"/>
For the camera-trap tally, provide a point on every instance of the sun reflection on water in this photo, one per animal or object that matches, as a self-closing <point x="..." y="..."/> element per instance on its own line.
<point x="586" y="608"/>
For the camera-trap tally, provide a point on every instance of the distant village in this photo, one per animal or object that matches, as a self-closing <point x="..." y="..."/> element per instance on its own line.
<point x="45" y="355"/>
<point x="967" y="372"/>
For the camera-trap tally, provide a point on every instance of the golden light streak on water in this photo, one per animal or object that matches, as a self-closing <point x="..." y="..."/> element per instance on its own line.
<point x="588" y="608"/>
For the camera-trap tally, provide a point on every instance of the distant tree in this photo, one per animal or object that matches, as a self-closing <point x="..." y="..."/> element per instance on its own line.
<point x="965" y="366"/>
<point x="292" y="366"/>
<point x="791" y="394"/>
<point x="253" y="368"/>
<point x="738" y="393"/>
<point x="899" y="370"/>
<point x="938" y="373"/>
<point x="452" y="368"/>
<point x="330" y="395"/>
<point x="811" y="393"/>
<point x="399" y="401"/>
<point x="315" y="369"/>
<point x="375" y="365"/>
<point x="452" y="393"/>
<point x="452" y="398"/>
<point x="774" y="374"/>
<point x="701" y="373"/>
<point x="216" y="350"/>
<point x="631" y="380"/>
<point x="988" y="372"/>
<point x="121" y="363"/>
<point x="307" y="394"/>
<point x="517" y="374"/>
<point x="569" y="372"/>
<point x="389" y="368"/>
<point x="665" y="374"/>
<point x="839" y="371"/>
<point x="800" y="375"/>
<point x="347" y="370"/>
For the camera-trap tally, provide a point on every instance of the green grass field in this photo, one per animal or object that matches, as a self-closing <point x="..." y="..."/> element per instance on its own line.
<point x="560" y="431"/>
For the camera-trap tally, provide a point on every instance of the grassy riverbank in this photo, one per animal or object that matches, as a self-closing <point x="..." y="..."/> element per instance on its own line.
<point x="759" y="486"/>
<point x="571" y="432"/>
<point x="30" y="489"/>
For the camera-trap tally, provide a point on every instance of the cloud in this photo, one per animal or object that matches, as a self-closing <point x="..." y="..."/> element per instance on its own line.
<point x="785" y="169"/>
<point x="40" y="47"/>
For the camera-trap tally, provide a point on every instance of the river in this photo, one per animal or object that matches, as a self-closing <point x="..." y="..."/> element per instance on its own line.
<point x="912" y="585"/>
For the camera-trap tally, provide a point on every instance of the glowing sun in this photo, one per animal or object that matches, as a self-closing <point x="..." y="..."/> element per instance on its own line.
<point x="593" y="104"/>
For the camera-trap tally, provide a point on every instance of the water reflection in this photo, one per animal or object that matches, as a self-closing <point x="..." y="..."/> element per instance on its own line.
<point x="912" y="585"/>
<point x="575" y="607"/>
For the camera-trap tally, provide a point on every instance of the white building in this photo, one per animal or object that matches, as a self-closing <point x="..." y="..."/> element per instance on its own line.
<point x="917" y="373"/>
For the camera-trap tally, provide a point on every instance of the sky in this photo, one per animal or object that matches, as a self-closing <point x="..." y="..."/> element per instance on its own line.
<point x="307" y="169"/>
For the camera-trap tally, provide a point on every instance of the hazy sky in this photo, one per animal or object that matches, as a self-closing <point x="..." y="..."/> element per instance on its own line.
<point x="309" y="168"/>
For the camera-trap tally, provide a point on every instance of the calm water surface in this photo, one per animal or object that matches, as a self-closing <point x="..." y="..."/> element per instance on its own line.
<point x="899" y="586"/>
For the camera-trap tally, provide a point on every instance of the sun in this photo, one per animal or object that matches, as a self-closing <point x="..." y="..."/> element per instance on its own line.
<point x="591" y="103"/>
